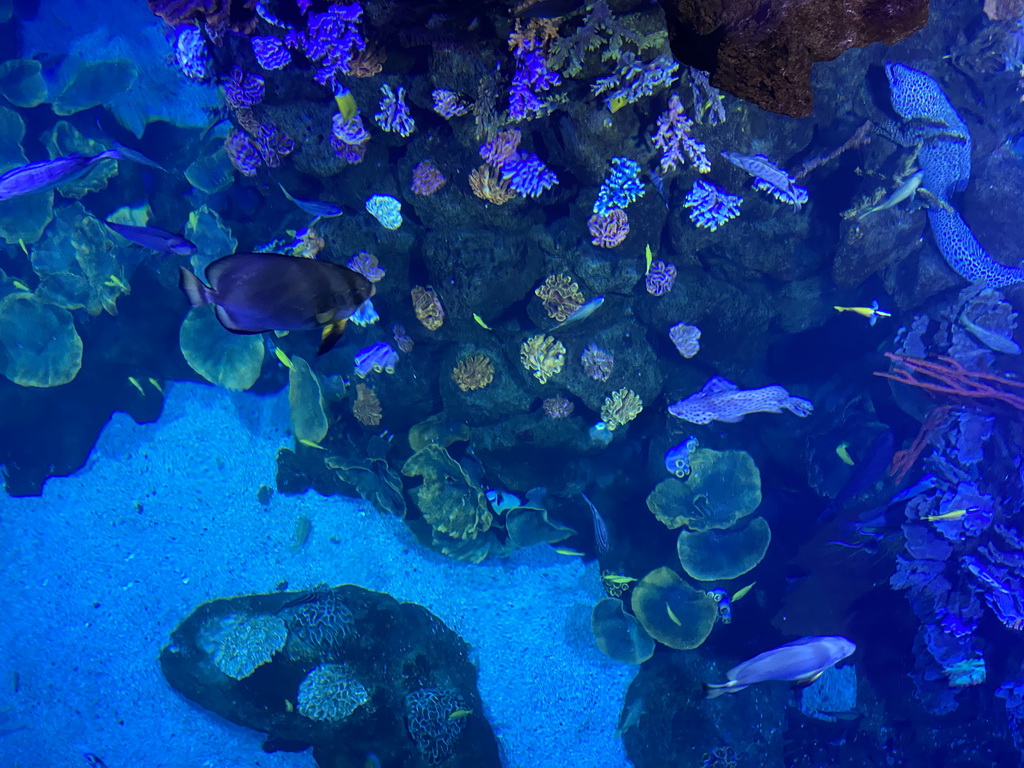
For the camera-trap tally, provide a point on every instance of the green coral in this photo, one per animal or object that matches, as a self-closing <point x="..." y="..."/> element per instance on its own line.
<point x="619" y="634"/>
<point x="527" y="526"/>
<point x="23" y="218"/>
<point x="712" y="555"/>
<point x="63" y="140"/>
<point x="93" y="84"/>
<point x="449" y="500"/>
<point x="722" y="488"/>
<point x="211" y="172"/>
<point x="212" y="237"/>
<point x="229" y="360"/>
<point x="673" y="613"/>
<point x="330" y="693"/>
<point x="39" y="346"/>
<point x="243" y="643"/>
<point x="22" y="84"/>
<point x="309" y="420"/>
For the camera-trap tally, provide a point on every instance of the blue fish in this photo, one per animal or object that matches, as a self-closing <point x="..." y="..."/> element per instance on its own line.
<point x="317" y="208"/>
<point x="49" y="174"/>
<point x="155" y="239"/>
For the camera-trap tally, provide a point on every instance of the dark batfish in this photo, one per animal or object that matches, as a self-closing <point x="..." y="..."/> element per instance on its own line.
<point x="801" y="661"/>
<point x="260" y="292"/>
<point x="49" y="174"/>
<point x="156" y="239"/>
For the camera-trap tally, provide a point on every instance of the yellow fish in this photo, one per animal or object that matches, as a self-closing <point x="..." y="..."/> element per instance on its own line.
<point x="568" y="551"/>
<point x="743" y="592"/>
<point x="135" y="383"/>
<point x="24" y="247"/>
<point x="956" y="514"/>
<point x="311" y="444"/>
<point x="21" y="286"/>
<point x="872" y="313"/>
<point x="617" y="103"/>
<point x="115" y="282"/>
<point x="843" y="454"/>
<point x="285" y="360"/>
<point x="288" y="706"/>
<point x="649" y="257"/>
<point x="458" y="714"/>
<point x="346" y="103"/>
<point x="618" y="578"/>
<point x="672" y="615"/>
<point x="481" y="323"/>
<point x="156" y="385"/>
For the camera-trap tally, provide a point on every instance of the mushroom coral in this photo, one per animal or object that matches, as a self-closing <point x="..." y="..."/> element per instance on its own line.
<point x="230" y="360"/>
<point x="673" y="613"/>
<point x="39" y="346"/>
<point x="21" y="82"/>
<point x="309" y="421"/>
<point x="619" y="634"/>
<point x="713" y="555"/>
<point x="722" y="488"/>
<point x="22" y="219"/>
<point x="448" y="499"/>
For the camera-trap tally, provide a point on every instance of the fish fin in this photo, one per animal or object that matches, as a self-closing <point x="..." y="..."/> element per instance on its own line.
<point x="329" y="336"/>
<point x="718" y="384"/>
<point x="713" y="691"/>
<point x="225" y="319"/>
<point x="803" y="682"/>
<point x="197" y="292"/>
<point x="136" y="157"/>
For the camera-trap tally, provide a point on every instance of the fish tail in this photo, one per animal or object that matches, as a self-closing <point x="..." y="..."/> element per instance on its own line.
<point x="122" y="152"/>
<point x="197" y="292"/>
<point x="713" y="691"/>
<point x="330" y="335"/>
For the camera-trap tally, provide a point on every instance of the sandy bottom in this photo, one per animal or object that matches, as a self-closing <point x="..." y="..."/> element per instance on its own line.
<point x="100" y="569"/>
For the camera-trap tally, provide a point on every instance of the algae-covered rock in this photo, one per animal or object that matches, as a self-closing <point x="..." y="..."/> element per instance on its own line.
<point x="673" y="613"/>
<point x="619" y="634"/>
<point x="527" y="526"/>
<point x="371" y="479"/>
<point x="21" y="81"/>
<point x="723" y="487"/>
<point x="437" y="430"/>
<point x="469" y="550"/>
<point x="309" y="421"/>
<point x="94" y="84"/>
<point x="22" y="219"/>
<point x="712" y="555"/>
<point x="211" y="173"/>
<point x="448" y="499"/>
<point x="211" y="236"/>
<point x="63" y="140"/>
<point x="39" y="343"/>
<point x="229" y="360"/>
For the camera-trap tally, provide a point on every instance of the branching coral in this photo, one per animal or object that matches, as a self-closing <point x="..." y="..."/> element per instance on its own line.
<point x="561" y="296"/>
<point x="473" y="372"/>
<point x="487" y="184"/>
<point x="427" y="306"/>
<point x="621" y="407"/>
<point x="543" y="355"/>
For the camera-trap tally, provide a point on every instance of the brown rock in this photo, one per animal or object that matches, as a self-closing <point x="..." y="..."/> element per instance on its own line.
<point x="762" y="50"/>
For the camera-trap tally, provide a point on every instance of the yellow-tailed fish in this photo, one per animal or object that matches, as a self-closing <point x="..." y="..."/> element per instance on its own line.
<point x="156" y="385"/>
<point x="649" y="258"/>
<point x="135" y="383"/>
<point x="956" y="514"/>
<point x="672" y="615"/>
<point x="311" y="444"/>
<point x="743" y="592"/>
<point x="288" y="706"/>
<point x="24" y="247"/>
<point x="458" y="714"/>
<point x="285" y="360"/>
<point x="844" y="454"/>
<point x="618" y="578"/>
<point x="21" y="286"/>
<point x="872" y="313"/>
<point x="346" y="103"/>
<point x="115" y="282"/>
<point x="568" y="551"/>
<point x="617" y="103"/>
<point x="481" y="323"/>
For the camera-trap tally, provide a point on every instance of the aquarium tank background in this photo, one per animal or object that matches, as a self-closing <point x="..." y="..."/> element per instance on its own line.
<point x="593" y="383"/>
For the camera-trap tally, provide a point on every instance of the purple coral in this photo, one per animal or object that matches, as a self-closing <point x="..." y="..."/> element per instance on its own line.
<point x="426" y="179"/>
<point x="331" y="40"/>
<point x="528" y="175"/>
<point x="660" y="278"/>
<point x="402" y="339"/>
<point x="379" y="357"/>
<point x="242" y="152"/>
<point x="243" y="89"/>
<point x="448" y="104"/>
<point x="394" y="116"/>
<point x="366" y="264"/>
<point x="674" y="140"/>
<point x="272" y="144"/>
<point x="597" y="363"/>
<point x="710" y="205"/>
<point x="349" y="137"/>
<point x="685" y="338"/>
<point x="502" y="148"/>
<point x="271" y="52"/>
<point x="533" y="73"/>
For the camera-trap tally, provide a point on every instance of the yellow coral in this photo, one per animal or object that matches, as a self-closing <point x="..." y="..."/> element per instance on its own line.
<point x="473" y="372"/>
<point x="427" y="305"/>
<point x="487" y="184"/>
<point x="561" y="296"/>
<point x="621" y="407"/>
<point x="542" y="355"/>
<point x="367" y="408"/>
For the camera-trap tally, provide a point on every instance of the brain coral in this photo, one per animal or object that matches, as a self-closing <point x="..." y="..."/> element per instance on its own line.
<point x="543" y="356"/>
<point x="330" y="693"/>
<point x="321" y="622"/>
<point x="428" y="718"/>
<point x="242" y="643"/>
<point x="560" y="296"/>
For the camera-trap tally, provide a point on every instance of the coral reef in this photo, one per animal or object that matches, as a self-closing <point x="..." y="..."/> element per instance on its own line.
<point x="543" y="356"/>
<point x="473" y="372"/>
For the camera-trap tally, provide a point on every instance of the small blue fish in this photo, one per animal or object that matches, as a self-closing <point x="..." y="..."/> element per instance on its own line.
<point x="317" y="208"/>
<point x="49" y="174"/>
<point x="582" y="313"/>
<point x="155" y="239"/>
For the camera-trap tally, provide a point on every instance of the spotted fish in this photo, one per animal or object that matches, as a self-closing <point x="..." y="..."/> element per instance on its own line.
<point x="721" y="400"/>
